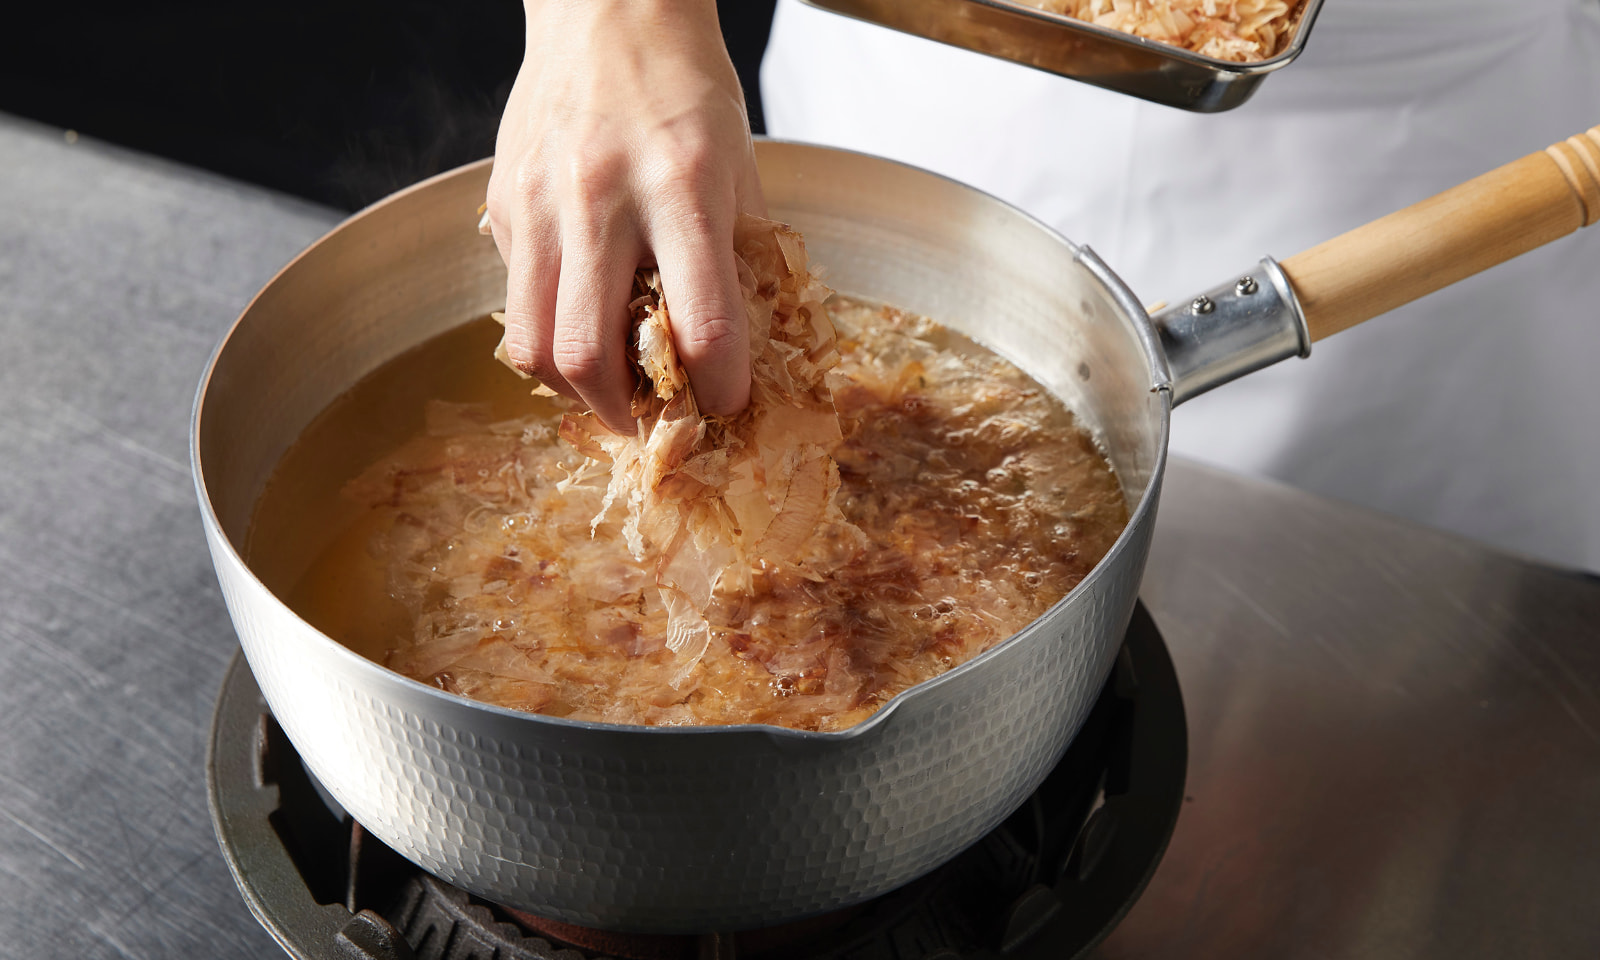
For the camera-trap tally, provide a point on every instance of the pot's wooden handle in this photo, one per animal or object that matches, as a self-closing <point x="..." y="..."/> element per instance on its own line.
<point x="1412" y="252"/>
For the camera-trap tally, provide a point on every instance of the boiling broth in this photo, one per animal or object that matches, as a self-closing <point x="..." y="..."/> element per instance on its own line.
<point x="418" y="521"/>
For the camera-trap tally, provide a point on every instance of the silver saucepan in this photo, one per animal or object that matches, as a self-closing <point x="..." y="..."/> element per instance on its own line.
<point x="722" y="828"/>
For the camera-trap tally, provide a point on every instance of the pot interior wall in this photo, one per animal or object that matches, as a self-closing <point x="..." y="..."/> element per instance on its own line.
<point x="379" y="284"/>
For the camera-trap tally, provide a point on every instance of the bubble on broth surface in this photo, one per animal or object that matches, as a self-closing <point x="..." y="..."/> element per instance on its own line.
<point x="457" y="561"/>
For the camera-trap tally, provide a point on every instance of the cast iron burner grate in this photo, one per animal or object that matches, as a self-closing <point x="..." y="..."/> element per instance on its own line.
<point x="1051" y="881"/>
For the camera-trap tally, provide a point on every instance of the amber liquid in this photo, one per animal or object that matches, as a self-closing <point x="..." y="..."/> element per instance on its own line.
<point x="307" y="542"/>
<point x="437" y="543"/>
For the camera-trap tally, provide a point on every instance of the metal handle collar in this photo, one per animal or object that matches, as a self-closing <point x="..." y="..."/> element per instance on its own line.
<point x="1231" y="330"/>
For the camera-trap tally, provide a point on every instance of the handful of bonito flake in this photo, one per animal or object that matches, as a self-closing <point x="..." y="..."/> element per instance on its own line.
<point x="711" y="503"/>
<point x="1235" y="30"/>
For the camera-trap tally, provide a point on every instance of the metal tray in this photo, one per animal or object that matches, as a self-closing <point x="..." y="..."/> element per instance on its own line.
<point x="1059" y="44"/>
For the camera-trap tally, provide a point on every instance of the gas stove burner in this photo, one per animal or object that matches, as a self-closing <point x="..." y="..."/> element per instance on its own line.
<point x="1051" y="881"/>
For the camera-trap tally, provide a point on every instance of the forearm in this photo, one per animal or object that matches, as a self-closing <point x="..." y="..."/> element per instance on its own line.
<point x="679" y="29"/>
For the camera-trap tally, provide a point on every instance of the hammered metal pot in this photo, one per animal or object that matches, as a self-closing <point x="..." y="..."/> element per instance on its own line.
<point x="680" y="830"/>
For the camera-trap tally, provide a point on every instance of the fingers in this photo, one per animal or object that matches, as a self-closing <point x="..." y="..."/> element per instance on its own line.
<point x="694" y="251"/>
<point x="589" y="346"/>
<point x="700" y="187"/>
<point x="571" y="251"/>
<point x="570" y="280"/>
<point x="533" y="270"/>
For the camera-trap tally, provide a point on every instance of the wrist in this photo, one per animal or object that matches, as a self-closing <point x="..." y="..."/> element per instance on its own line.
<point x="669" y="15"/>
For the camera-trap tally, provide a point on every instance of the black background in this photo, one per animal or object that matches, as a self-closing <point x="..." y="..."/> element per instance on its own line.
<point x="340" y="101"/>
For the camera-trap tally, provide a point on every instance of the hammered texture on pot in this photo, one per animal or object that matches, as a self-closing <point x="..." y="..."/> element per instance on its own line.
<point x="680" y="830"/>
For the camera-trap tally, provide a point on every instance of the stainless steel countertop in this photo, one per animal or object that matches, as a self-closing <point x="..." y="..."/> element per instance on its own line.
<point x="1395" y="734"/>
<point x="1394" y="737"/>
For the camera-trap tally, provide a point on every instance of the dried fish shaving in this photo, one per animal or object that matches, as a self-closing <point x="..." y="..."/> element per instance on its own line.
<point x="474" y="568"/>
<point x="1238" y="31"/>
<point x="710" y="500"/>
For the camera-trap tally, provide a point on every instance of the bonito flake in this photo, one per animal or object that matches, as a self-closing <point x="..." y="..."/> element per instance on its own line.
<point x="474" y="563"/>
<point x="1235" y="30"/>
<point x="706" y="500"/>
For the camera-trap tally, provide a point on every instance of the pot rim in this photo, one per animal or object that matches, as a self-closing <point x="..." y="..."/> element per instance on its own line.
<point x="1137" y="518"/>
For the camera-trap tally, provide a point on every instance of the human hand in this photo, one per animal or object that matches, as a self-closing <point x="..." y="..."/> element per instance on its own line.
<point x="625" y="141"/>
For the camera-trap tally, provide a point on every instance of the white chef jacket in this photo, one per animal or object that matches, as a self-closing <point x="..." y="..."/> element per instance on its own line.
<point x="1475" y="409"/>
